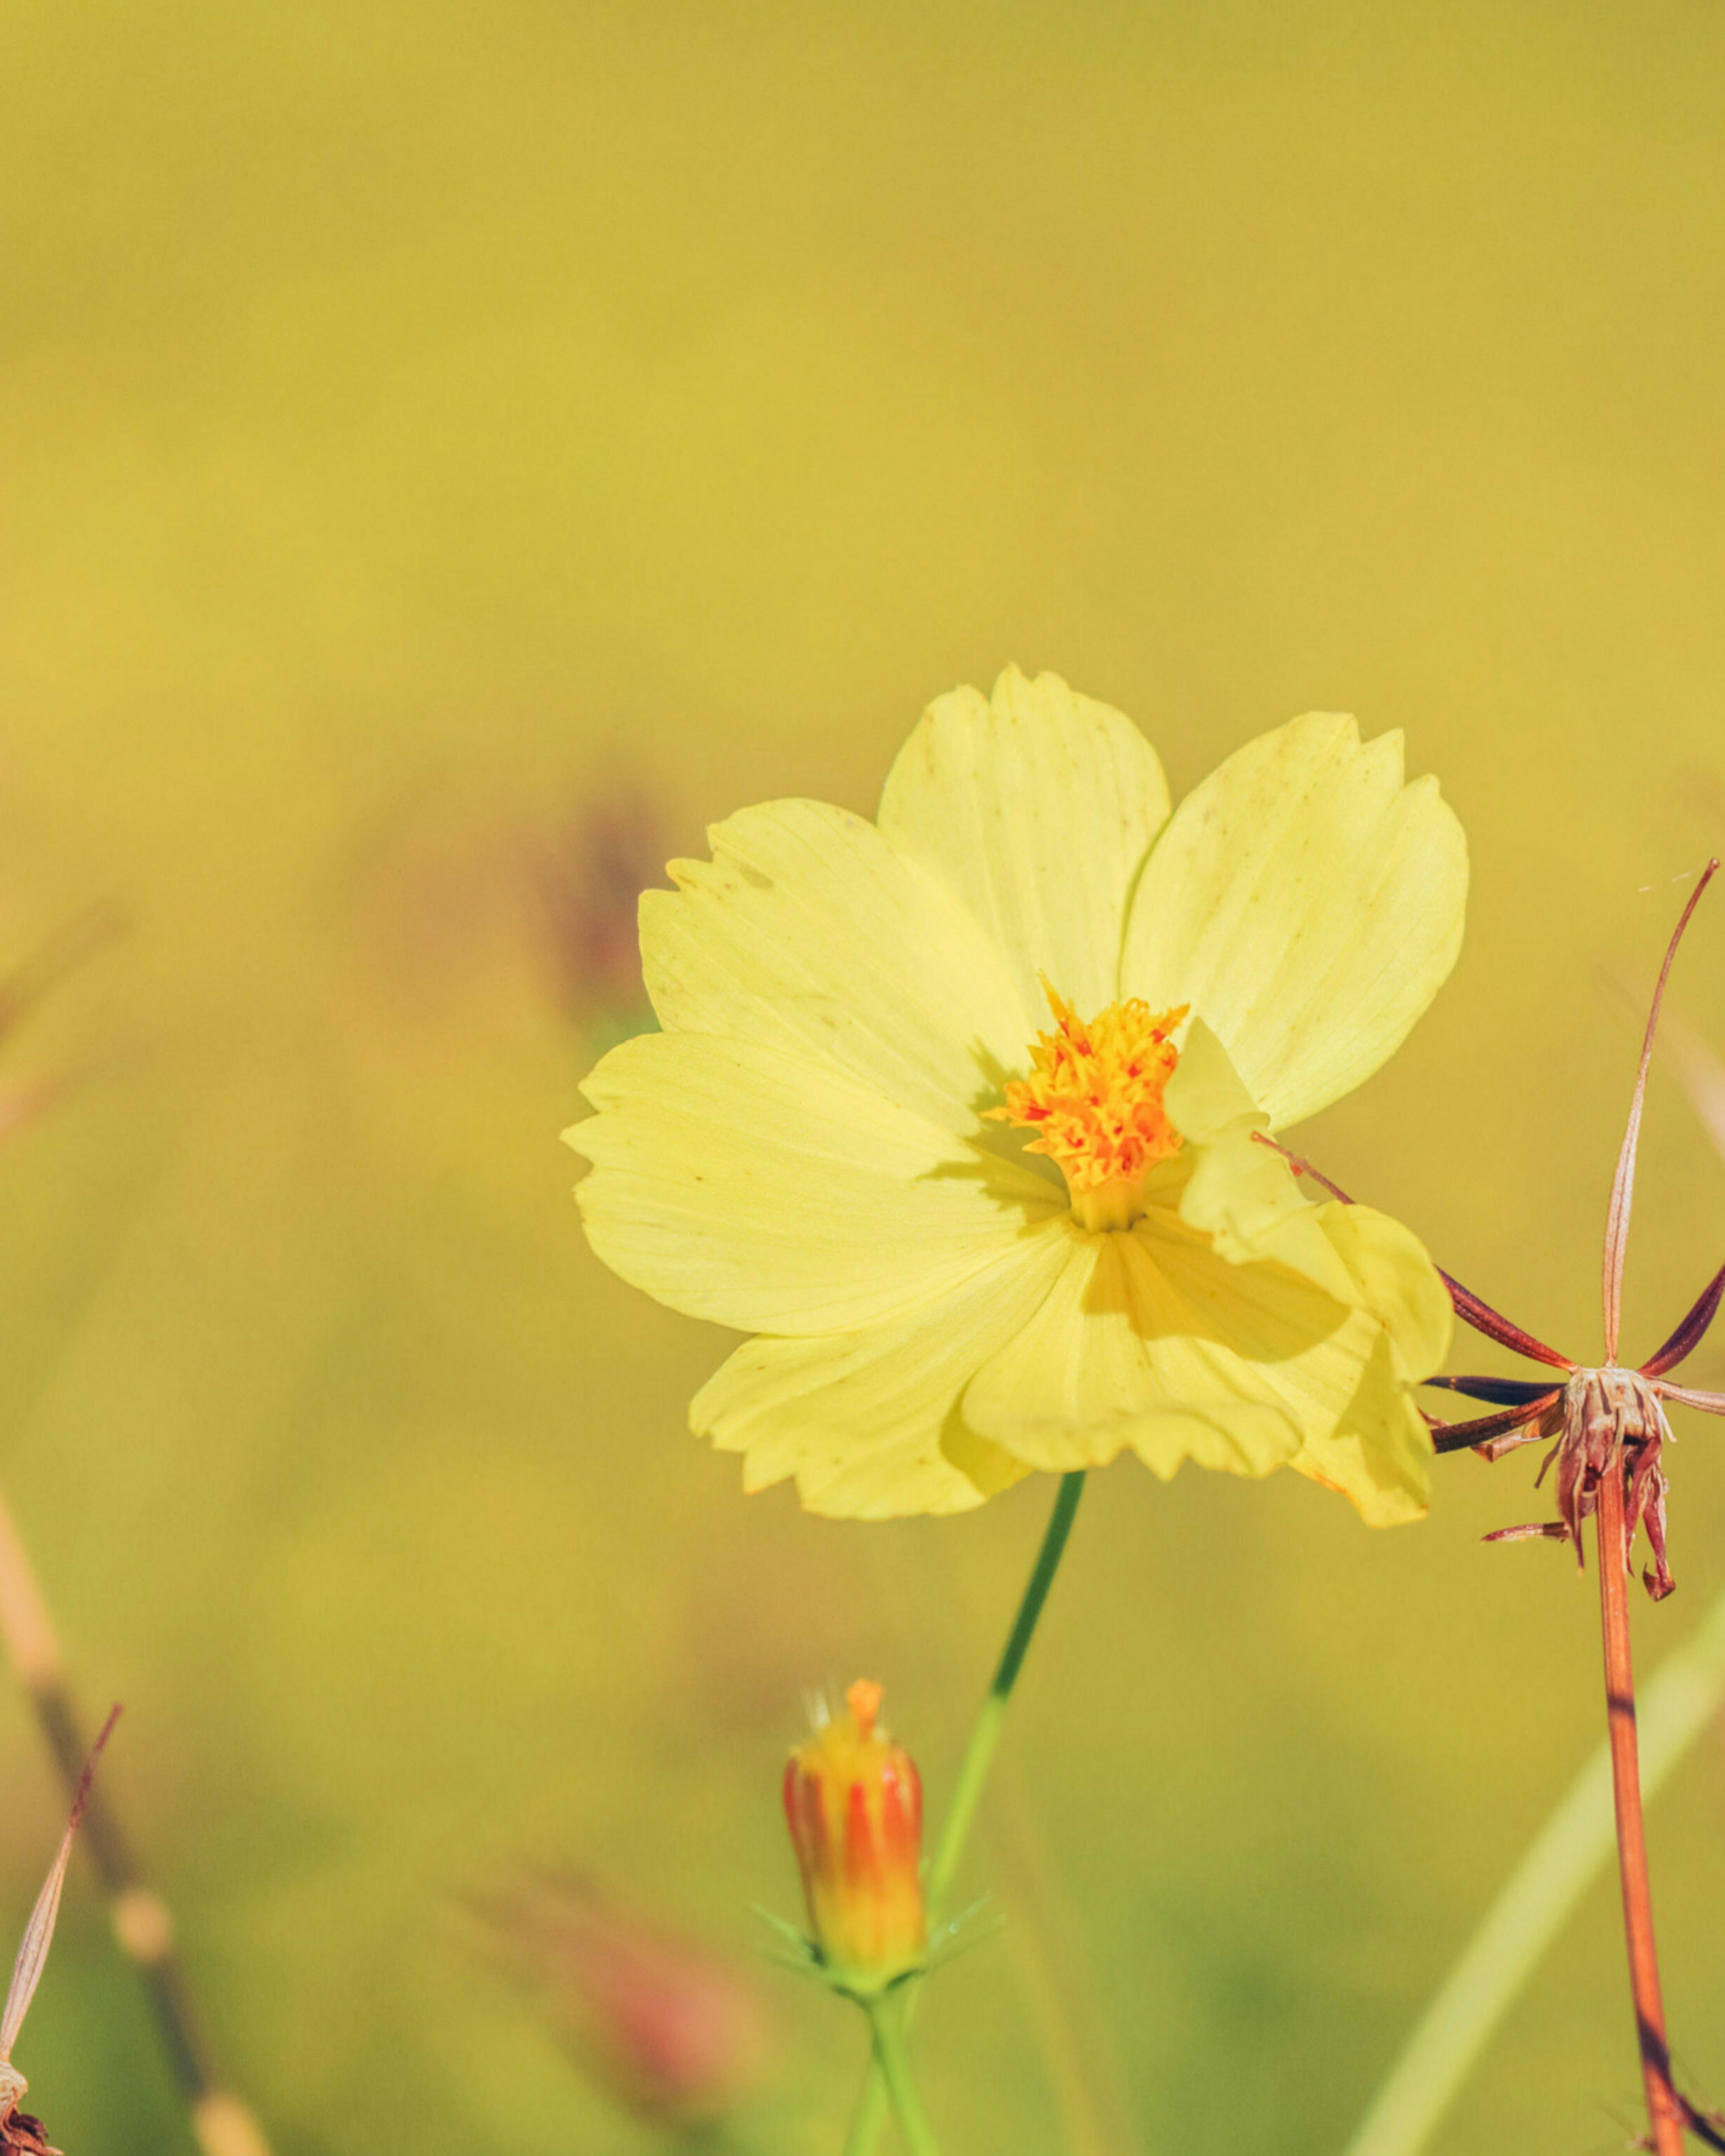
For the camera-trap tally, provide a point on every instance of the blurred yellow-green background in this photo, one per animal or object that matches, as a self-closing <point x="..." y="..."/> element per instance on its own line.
<point x="447" y="454"/>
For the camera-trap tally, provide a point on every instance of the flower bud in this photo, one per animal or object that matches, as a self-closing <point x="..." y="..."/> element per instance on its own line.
<point x="854" y="1801"/>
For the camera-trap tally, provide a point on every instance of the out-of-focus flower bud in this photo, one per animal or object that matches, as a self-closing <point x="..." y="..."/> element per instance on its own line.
<point x="670" y="2032"/>
<point x="586" y="881"/>
<point x="479" y="892"/>
<point x="854" y="1800"/>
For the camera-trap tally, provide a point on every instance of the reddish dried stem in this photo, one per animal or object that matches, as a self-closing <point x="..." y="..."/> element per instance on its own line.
<point x="1690" y="1334"/>
<point x="1623" y="1184"/>
<point x="1666" y="2108"/>
<point x="1473" y="1311"/>
<point x="1482" y="1429"/>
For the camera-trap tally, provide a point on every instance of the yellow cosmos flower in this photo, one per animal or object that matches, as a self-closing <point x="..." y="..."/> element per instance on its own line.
<point x="956" y="1110"/>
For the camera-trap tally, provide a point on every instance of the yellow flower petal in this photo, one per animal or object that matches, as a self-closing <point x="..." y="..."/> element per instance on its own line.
<point x="1379" y="1453"/>
<point x="752" y="1188"/>
<point x="1206" y="1093"/>
<point x="1307" y="905"/>
<point x="1249" y="1202"/>
<point x="1034" y="809"/>
<point x="802" y="1154"/>
<point x="869" y="1423"/>
<point x="1396" y="1281"/>
<point x="1237" y="1191"/>
<point x="808" y="932"/>
<point x="1153" y="1340"/>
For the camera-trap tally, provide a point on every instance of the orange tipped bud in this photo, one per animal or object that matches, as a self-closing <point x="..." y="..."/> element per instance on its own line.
<point x="854" y="1801"/>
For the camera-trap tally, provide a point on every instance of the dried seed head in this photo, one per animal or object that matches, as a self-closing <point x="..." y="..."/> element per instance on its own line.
<point x="1609" y="1420"/>
<point x="1614" y="1423"/>
<point x="1605" y="1422"/>
<point x="22" y="2135"/>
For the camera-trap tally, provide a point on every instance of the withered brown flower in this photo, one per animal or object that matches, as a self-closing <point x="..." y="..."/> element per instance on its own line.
<point x="1605" y="1419"/>
<point x="26" y="2136"/>
<point x="1608" y="1426"/>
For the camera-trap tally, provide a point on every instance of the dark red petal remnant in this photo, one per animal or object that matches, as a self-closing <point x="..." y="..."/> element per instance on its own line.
<point x="21" y="2135"/>
<point x="1708" y="1403"/>
<point x="1502" y="1392"/>
<point x="1496" y="1326"/>
<point x="1457" y="1436"/>
<point x="1691" y="1332"/>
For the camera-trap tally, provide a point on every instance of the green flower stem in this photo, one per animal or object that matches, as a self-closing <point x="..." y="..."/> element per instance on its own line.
<point x="972" y="1774"/>
<point x="985" y="1736"/>
<point x="1563" y="1859"/>
<point x="868" y="2117"/>
<point x="887" y="2017"/>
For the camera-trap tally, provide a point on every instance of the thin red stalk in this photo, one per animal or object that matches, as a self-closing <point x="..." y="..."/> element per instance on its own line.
<point x="1301" y="1166"/>
<point x="1665" y="2106"/>
<point x="1623" y="1184"/>
<point x="1496" y="1326"/>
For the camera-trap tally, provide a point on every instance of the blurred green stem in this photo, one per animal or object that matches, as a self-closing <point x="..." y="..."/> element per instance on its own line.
<point x="1564" y="1859"/>
<point x="972" y="1774"/>
<point x="887" y="2019"/>
<point x="221" y="2124"/>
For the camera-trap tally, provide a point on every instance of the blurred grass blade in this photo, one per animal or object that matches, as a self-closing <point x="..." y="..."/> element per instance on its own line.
<point x="143" y="1927"/>
<point x="1563" y="1861"/>
<point x="1703" y="1080"/>
<point x="38" y="1933"/>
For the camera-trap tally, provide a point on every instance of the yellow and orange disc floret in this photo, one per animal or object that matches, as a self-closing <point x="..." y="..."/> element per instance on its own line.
<point x="853" y="1802"/>
<point x="1093" y="1097"/>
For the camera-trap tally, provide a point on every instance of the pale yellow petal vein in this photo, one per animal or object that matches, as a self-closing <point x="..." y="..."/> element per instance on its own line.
<point x="869" y="1423"/>
<point x="755" y="1189"/>
<point x="1307" y="905"/>
<point x="806" y="931"/>
<point x="1034" y="807"/>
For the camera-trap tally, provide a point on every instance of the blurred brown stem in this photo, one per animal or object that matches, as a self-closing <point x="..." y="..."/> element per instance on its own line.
<point x="224" y="2125"/>
<point x="1665" y="2109"/>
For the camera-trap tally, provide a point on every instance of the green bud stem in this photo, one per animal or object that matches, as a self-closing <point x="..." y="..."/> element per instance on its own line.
<point x="972" y="1774"/>
<point x="887" y="2017"/>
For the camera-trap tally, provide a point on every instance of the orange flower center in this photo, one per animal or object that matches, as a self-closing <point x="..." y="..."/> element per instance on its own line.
<point x="1094" y="1099"/>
